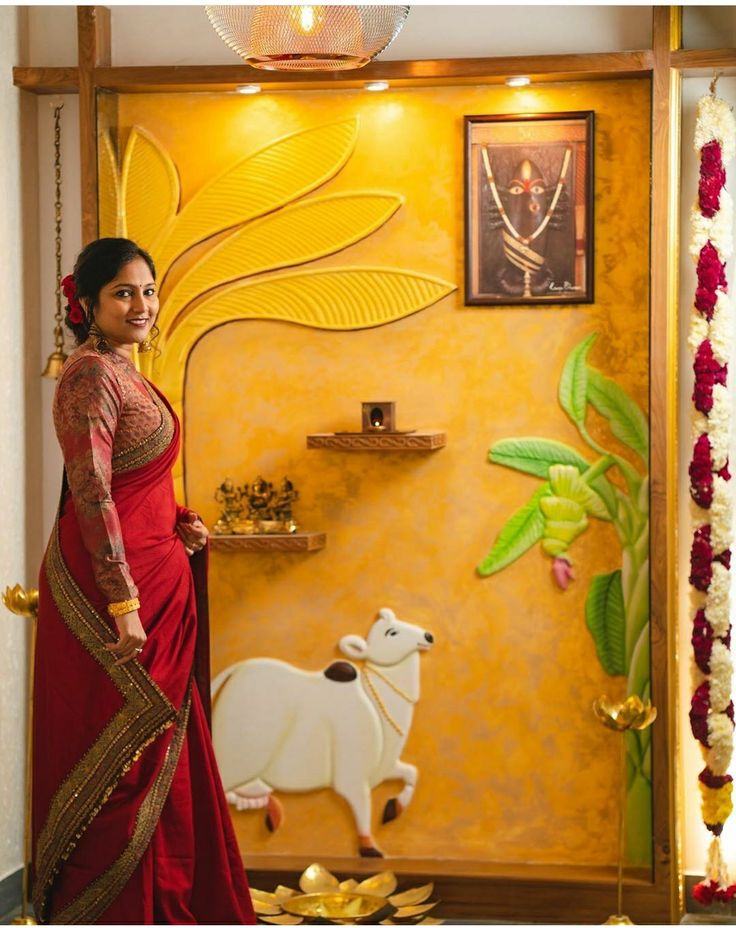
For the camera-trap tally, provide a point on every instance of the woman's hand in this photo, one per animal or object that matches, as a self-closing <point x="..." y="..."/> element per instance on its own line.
<point x="193" y="535"/>
<point x="131" y="639"/>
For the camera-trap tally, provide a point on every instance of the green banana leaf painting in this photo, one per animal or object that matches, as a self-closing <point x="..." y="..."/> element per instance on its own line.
<point x="576" y="489"/>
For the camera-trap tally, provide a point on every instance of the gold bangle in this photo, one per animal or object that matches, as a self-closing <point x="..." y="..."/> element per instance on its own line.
<point x="115" y="610"/>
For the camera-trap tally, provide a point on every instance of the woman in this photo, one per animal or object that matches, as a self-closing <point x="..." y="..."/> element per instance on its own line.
<point x="130" y="823"/>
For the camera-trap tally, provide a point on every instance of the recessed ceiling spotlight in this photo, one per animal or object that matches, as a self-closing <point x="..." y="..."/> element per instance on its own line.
<point x="376" y="85"/>
<point x="520" y="81"/>
<point x="248" y="88"/>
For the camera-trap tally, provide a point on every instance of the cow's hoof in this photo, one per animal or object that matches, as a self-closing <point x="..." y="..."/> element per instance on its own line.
<point x="274" y="814"/>
<point x="391" y="810"/>
<point x="370" y="852"/>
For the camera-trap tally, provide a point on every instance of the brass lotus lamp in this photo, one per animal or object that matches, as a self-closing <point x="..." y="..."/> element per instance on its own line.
<point x="307" y="38"/>
<point x="25" y="603"/>
<point x="57" y="357"/>
<point x="631" y="714"/>
<point x="323" y="899"/>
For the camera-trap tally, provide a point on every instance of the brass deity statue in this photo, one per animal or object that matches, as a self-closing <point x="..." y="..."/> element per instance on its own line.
<point x="230" y="498"/>
<point x="256" y="508"/>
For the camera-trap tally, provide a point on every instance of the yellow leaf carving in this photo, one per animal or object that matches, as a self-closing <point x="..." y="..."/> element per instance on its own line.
<point x="262" y="182"/>
<point x="298" y="233"/>
<point x="339" y="298"/>
<point x="333" y="298"/>
<point x="150" y="188"/>
<point x="108" y="187"/>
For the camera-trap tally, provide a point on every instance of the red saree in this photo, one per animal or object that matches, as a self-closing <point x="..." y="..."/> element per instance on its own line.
<point x="130" y="823"/>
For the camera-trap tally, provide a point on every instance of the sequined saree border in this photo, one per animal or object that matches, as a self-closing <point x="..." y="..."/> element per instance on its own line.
<point x="145" y="714"/>
<point x="101" y="893"/>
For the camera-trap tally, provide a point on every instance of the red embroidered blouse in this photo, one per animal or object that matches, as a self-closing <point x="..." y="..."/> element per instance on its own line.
<point x="103" y="409"/>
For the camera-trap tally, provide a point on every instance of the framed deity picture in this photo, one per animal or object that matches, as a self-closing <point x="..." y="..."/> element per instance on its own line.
<point x="529" y="209"/>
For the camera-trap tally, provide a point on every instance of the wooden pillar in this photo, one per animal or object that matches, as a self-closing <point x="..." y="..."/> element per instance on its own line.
<point x="665" y="220"/>
<point x="93" y="35"/>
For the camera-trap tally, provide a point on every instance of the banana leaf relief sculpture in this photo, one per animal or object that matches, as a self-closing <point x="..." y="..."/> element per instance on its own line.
<point x="263" y="225"/>
<point x="575" y="489"/>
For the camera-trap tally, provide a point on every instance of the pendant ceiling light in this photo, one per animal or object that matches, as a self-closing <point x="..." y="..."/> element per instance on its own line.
<point x="307" y="38"/>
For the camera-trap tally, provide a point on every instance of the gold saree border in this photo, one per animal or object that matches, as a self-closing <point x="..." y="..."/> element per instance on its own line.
<point x="151" y="446"/>
<point x="101" y="893"/>
<point x="145" y="714"/>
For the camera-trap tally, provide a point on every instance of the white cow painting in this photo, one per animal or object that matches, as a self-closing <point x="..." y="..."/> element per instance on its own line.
<point x="277" y="727"/>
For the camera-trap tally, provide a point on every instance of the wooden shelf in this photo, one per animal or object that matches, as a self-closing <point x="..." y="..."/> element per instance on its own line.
<point x="378" y="441"/>
<point x="298" y="541"/>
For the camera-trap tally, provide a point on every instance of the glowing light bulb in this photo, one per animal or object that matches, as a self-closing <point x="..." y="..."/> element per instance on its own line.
<point x="307" y="20"/>
<point x="520" y="81"/>
<point x="376" y="86"/>
<point x="249" y="88"/>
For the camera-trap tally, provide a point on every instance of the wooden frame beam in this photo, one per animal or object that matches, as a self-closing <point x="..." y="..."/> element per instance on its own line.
<point x="663" y="277"/>
<point x="183" y="79"/>
<point x="47" y="80"/>
<point x="94" y="42"/>
<point x="703" y="61"/>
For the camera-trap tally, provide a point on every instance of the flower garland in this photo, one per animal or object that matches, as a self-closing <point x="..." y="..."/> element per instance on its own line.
<point x="711" y="707"/>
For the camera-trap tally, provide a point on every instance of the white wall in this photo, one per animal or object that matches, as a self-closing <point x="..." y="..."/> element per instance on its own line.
<point x="709" y="27"/>
<point x="19" y="411"/>
<point x="182" y="34"/>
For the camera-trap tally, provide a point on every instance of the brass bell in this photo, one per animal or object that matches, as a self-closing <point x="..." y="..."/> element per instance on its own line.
<point x="54" y="364"/>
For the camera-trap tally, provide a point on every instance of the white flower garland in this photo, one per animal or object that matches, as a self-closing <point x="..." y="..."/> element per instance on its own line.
<point x="715" y="122"/>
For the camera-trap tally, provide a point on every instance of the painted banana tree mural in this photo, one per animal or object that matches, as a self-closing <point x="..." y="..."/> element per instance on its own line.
<point x="574" y="490"/>
<point x="263" y="225"/>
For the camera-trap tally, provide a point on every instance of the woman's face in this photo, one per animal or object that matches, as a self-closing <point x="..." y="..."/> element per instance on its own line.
<point x="127" y="306"/>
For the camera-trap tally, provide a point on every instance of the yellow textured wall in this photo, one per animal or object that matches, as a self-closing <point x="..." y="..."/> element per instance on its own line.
<point x="512" y="766"/>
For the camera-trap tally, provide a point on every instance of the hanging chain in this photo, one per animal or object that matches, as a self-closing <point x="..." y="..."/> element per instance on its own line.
<point x="58" y="331"/>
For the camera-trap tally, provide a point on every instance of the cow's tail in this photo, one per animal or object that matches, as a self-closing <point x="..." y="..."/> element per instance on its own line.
<point x="220" y="680"/>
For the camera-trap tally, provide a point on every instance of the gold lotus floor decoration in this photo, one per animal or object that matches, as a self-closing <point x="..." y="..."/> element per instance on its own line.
<point x="327" y="900"/>
<point x="631" y="714"/>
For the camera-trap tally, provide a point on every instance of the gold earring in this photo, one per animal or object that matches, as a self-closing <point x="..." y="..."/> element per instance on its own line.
<point x="95" y="333"/>
<point x="147" y="343"/>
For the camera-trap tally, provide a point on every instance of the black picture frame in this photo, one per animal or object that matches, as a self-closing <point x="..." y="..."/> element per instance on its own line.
<point x="529" y="243"/>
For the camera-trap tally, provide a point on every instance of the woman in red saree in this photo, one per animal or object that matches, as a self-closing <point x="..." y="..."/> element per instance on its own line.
<point x="130" y="823"/>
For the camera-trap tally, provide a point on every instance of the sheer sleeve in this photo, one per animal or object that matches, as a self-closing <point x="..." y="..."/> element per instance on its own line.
<point x="87" y="408"/>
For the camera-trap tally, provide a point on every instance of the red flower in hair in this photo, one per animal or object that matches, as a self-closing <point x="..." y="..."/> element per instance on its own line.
<point x="69" y="289"/>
